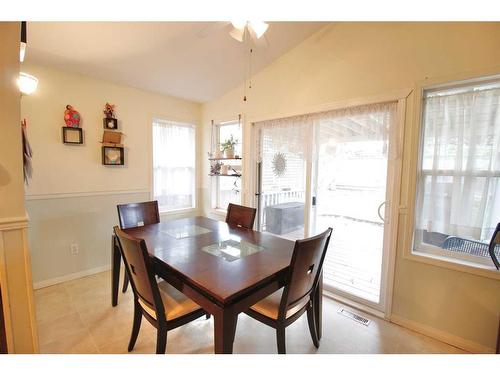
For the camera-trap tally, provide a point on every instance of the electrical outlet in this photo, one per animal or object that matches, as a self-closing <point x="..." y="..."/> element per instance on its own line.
<point x="74" y="248"/>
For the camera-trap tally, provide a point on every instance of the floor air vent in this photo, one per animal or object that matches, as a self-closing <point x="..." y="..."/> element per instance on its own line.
<point x="354" y="317"/>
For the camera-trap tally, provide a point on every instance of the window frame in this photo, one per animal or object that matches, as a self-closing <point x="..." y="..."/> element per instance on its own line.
<point x="411" y="177"/>
<point x="187" y="124"/>
<point x="215" y="184"/>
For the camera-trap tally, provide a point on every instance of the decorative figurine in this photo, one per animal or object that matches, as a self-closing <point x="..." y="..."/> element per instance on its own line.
<point x="72" y="117"/>
<point x="215" y="168"/>
<point x="109" y="110"/>
<point x="110" y="122"/>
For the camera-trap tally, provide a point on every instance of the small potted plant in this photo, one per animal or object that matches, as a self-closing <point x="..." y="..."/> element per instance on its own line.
<point x="228" y="147"/>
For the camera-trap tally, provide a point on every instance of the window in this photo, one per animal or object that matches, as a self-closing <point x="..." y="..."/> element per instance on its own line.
<point x="173" y="165"/>
<point x="225" y="189"/>
<point x="458" y="191"/>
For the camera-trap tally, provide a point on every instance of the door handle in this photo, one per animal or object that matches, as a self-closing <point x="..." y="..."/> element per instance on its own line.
<point x="378" y="211"/>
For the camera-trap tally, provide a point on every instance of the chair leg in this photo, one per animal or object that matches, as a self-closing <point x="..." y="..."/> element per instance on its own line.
<point x="135" y="327"/>
<point x="161" y="340"/>
<point x="312" y="326"/>
<point x="125" y="283"/>
<point x="280" y="337"/>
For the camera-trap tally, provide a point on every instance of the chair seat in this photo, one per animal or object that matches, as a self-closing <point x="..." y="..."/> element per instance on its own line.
<point x="176" y="304"/>
<point x="269" y="306"/>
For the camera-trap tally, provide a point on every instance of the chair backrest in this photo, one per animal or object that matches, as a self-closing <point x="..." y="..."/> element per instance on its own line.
<point x="240" y="215"/>
<point x="305" y="269"/>
<point x="138" y="214"/>
<point x="494" y="248"/>
<point x="138" y="265"/>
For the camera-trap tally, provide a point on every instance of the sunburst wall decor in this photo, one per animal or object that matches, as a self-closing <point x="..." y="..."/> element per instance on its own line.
<point x="279" y="164"/>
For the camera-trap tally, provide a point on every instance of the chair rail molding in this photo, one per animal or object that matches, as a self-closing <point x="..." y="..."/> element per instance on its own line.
<point x="77" y="194"/>
<point x="15" y="222"/>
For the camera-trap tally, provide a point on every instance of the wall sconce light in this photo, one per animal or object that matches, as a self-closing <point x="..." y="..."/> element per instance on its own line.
<point x="27" y="83"/>
<point x="24" y="41"/>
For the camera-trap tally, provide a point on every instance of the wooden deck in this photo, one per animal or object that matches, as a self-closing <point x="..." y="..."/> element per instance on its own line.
<point x="354" y="258"/>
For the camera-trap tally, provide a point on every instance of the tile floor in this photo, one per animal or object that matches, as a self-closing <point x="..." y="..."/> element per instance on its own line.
<point x="77" y="317"/>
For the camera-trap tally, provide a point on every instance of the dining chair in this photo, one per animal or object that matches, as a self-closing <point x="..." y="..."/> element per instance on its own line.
<point x="494" y="247"/>
<point x="133" y="215"/>
<point x="240" y="215"/>
<point x="160" y="303"/>
<point x="285" y="306"/>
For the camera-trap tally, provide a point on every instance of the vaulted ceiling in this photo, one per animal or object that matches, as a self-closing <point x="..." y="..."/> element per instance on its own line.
<point x="197" y="61"/>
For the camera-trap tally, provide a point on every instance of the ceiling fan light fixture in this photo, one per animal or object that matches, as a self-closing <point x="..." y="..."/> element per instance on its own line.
<point x="258" y="27"/>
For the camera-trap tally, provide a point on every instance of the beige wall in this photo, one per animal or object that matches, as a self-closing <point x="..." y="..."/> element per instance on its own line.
<point x="347" y="61"/>
<point x="15" y="271"/>
<point x="60" y="168"/>
<point x="72" y="197"/>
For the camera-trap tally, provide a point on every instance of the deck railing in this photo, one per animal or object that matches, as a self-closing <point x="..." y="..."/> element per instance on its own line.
<point x="271" y="198"/>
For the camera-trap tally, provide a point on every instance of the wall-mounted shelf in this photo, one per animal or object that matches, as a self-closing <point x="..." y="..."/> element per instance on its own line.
<point x="72" y="136"/>
<point x="113" y="155"/>
<point x="224" y="158"/>
<point x="225" y="175"/>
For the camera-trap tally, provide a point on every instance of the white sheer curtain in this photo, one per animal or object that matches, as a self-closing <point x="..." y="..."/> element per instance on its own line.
<point x="367" y="127"/>
<point x="173" y="165"/>
<point x="459" y="190"/>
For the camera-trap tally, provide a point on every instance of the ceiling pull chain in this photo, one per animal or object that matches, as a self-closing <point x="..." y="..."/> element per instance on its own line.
<point x="245" y="42"/>
<point x="250" y="69"/>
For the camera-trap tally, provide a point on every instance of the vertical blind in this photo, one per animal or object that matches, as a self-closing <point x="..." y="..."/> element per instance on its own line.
<point x="173" y="165"/>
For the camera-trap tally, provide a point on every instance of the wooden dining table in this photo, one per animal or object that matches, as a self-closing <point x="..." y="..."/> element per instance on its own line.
<point x="223" y="268"/>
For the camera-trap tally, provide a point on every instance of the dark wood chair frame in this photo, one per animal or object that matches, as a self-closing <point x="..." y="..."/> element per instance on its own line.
<point x="161" y="323"/>
<point x="247" y="212"/>
<point x="152" y="216"/>
<point x="282" y="321"/>
<point x="495" y="241"/>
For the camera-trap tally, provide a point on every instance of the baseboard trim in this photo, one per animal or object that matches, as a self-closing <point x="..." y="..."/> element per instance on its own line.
<point x="457" y="341"/>
<point x="69" y="277"/>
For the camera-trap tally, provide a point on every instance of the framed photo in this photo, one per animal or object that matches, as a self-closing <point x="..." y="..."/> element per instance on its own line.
<point x="110" y="123"/>
<point x="113" y="155"/>
<point x="72" y="135"/>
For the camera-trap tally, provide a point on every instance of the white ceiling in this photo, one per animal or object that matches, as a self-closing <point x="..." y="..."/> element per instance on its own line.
<point x="198" y="61"/>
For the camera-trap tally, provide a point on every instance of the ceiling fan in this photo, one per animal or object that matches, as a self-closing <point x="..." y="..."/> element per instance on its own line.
<point x="255" y="29"/>
<point x="242" y="31"/>
<point x="249" y="33"/>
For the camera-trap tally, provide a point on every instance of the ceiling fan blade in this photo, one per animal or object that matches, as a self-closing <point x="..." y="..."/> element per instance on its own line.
<point x="237" y="34"/>
<point x="261" y="42"/>
<point x="258" y="28"/>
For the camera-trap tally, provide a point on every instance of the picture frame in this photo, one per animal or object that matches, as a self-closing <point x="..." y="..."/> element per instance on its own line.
<point x="72" y="135"/>
<point x="113" y="155"/>
<point x="110" y="123"/>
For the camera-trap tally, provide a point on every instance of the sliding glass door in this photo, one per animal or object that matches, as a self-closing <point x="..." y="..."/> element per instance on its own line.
<point x="351" y="193"/>
<point x="333" y="169"/>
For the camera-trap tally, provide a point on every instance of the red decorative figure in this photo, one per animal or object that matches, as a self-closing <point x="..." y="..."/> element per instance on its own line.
<point x="72" y="117"/>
